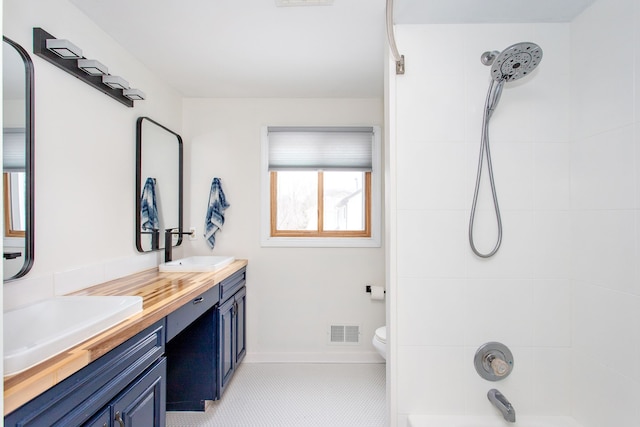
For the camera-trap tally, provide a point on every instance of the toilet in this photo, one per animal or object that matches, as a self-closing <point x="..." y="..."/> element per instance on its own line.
<point x="379" y="341"/>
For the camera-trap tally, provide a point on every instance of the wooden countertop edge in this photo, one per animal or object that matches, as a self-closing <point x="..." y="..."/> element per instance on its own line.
<point x="181" y="288"/>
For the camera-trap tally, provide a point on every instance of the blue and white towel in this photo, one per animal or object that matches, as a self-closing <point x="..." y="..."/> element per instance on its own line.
<point x="215" y="212"/>
<point x="148" y="209"/>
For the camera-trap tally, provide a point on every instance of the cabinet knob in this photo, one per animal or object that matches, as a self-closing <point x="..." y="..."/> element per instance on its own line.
<point x="198" y="300"/>
<point x="119" y="419"/>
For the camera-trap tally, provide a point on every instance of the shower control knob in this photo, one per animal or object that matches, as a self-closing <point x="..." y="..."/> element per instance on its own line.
<point x="493" y="361"/>
<point x="499" y="367"/>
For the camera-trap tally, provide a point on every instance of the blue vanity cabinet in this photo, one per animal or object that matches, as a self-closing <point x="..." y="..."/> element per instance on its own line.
<point x="202" y="354"/>
<point x="128" y="381"/>
<point x="191" y="354"/>
<point x="231" y="328"/>
<point x="174" y="364"/>
<point x="141" y="404"/>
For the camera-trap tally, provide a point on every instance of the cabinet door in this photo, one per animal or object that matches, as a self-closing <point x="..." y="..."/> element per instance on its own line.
<point x="240" y="322"/>
<point x="143" y="401"/>
<point x="226" y="351"/>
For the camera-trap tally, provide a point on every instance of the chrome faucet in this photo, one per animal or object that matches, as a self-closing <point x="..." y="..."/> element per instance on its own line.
<point x="168" y="240"/>
<point x="499" y="401"/>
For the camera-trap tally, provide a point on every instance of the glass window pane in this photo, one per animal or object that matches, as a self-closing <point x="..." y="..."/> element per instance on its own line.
<point x="344" y="201"/>
<point x="17" y="194"/>
<point x="297" y="200"/>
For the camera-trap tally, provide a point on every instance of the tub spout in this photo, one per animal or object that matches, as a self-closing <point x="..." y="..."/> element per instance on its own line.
<point x="504" y="406"/>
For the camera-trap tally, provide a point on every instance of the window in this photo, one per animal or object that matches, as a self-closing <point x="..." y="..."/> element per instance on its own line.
<point x="320" y="204"/>
<point x="321" y="186"/>
<point x="14" y="186"/>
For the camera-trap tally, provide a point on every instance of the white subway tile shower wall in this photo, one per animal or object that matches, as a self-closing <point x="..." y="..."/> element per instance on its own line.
<point x="604" y="197"/>
<point x="452" y="302"/>
<point x="564" y="290"/>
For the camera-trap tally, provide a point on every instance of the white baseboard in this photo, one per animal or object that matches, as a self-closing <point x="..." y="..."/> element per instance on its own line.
<point x="360" y="357"/>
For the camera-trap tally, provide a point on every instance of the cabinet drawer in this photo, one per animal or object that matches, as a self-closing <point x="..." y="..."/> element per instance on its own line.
<point x="231" y="284"/>
<point x="185" y="315"/>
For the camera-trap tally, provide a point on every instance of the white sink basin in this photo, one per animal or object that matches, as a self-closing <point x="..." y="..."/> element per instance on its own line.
<point x="197" y="264"/>
<point x="36" y="332"/>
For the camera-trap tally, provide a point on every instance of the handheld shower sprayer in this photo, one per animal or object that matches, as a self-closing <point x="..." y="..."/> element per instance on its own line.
<point x="513" y="63"/>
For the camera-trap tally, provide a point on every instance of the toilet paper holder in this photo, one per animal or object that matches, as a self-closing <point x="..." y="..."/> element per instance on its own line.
<point x="368" y="289"/>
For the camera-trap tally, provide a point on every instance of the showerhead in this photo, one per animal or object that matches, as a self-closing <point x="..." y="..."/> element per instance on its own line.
<point x="511" y="64"/>
<point x="516" y="61"/>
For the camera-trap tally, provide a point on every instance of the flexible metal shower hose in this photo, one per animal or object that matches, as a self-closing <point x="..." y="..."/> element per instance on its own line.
<point x="493" y="96"/>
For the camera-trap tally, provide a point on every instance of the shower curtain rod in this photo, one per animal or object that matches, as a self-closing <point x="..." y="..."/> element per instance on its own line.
<point x="392" y="40"/>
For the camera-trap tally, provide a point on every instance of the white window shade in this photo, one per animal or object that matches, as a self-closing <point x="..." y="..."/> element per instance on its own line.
<point x="13" y="150"/>
<point x="320" y="148"/>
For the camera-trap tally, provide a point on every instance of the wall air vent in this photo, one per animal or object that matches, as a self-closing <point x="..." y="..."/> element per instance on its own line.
<point x="284" y="3"/>
<point x="344" y="334"/>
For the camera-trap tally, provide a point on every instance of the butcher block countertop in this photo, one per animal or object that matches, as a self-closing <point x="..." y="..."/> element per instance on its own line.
<point x="162" y="294"/>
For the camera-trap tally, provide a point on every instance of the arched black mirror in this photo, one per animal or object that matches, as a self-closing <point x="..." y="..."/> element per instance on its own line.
<point x="158" y="184"/>
<point x="17" y="160"/>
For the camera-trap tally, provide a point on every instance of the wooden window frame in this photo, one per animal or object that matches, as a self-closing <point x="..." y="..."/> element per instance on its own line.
<point x="320" y="233"/>
<point x="8" y="224"/>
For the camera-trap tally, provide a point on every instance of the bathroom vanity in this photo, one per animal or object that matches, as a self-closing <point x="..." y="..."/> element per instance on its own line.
<point x="180" y="351"/>
<point x="205" y="341"/>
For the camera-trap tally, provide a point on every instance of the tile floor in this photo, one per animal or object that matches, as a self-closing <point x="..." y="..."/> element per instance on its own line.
<point x="296" y="395"/>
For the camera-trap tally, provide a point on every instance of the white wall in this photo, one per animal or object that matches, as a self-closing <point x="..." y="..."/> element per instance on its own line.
<point x="84" y="156"/>
<point x="294" y="294"/>
<point x="448" y="301"/>
<point x="605" y="177"/>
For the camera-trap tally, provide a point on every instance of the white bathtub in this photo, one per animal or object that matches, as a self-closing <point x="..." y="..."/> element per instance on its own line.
<point x="486" y="421"/>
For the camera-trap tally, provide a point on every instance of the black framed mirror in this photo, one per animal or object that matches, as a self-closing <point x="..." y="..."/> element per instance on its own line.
<point x="17" y="160"/>
<point x="158" y="184"/>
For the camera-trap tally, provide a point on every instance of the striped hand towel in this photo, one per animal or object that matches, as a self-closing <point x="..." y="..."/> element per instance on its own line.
<point x="148" y="209"/>
<point x="215" y="212"/>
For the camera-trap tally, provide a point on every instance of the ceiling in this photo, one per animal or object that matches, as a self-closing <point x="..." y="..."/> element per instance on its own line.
<point x="253" y="48"/>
